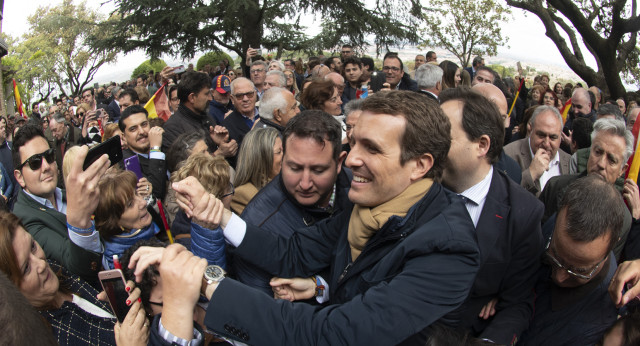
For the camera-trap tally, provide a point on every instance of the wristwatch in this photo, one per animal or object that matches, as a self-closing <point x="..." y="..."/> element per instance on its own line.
<point x="214" y="273"/>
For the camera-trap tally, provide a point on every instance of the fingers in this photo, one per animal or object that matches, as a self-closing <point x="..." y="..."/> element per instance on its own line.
<point x="627" y="274"/>
<point x="276" y="281"/>
<point x="143" y="258"/>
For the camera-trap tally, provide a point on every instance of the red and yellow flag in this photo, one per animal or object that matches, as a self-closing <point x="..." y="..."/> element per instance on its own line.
<point x="634" y="160"/>
<point x="16" y="95"/>
<point x="565" y="111"/>
<point x="158" y="105"/>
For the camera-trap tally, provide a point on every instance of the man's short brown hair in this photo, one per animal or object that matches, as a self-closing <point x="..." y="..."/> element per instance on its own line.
<point x="427" y="130"/>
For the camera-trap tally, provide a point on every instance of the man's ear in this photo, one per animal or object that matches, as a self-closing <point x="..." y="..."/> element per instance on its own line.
<point x="277" y="116"/>
<point x="623" y="170"/>
<point x="423" y="165"/>
<point x="19" y="178"/>
<point x="484" y="144"/>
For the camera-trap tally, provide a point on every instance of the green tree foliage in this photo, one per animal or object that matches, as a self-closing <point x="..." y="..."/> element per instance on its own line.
<point x="149" y="65"/>
<point x="607" y="28"/>
<point x="465" y="28"/>
<point x="213" y="59"/>
<point x="56" y="49"/>
<point x="183" y="27"/>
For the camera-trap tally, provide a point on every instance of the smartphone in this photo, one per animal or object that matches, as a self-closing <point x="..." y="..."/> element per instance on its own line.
<point x="110" y="147"/>
<point x="179" y="69"/>
<point x="96" y="86"/>
<point x="133" y="164"/>
<point x="258" y="52"/>
<point x="113" y="283"/>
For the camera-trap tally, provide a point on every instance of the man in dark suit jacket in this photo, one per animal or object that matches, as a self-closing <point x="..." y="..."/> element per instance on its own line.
<point x="477" y="62"/>
<point x="539" y="156"/>
<point x="429" y="79"/>
<point x="145" y="142"/>
<point x="393" y="75"/>
<point x="240" y="122"/>
<point x="392" y="275"/>
<point x="507" y="219"/>
<point x="114" y="108"/>
<point x="42" y="206"/>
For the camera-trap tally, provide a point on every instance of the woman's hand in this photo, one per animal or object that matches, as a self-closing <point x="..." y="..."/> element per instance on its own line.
<point x="134" y="330"/>
<point x="144" y="187"/>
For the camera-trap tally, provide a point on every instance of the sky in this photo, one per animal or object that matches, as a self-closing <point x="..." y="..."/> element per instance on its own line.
<point x="527" y="41"/>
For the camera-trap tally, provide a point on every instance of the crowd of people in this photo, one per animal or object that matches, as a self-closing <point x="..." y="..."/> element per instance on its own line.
<point x="325" y="202"/>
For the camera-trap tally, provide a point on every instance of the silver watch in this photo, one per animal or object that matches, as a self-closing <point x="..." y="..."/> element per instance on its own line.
<point x="214" y="273"/>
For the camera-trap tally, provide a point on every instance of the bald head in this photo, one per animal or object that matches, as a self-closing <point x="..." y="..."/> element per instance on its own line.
<point x="496" y="96"/>
<point x="320" y="71"/>
<point x="336" y="78"/>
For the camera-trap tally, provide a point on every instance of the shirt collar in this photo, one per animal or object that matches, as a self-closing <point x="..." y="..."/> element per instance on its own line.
<point x="554" y="161"/>
<point x="61" y="206"/>
<point x="478" y="192"/>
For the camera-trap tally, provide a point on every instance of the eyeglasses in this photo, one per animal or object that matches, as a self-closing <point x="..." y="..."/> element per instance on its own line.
<point x="346" y="52"/>
<point x="559" y="265"/>
<point x="35" y="161"/>
<point x="80" y="114"/>
<point x="242" y="95"/>
<point x="174" y="99"/>
<point x="259" y="70"/>
<point x="233" y="191"/>
<point x="391" y="68"/>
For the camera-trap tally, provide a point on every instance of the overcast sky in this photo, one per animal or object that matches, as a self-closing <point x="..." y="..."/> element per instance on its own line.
<point x="527" y="41"/>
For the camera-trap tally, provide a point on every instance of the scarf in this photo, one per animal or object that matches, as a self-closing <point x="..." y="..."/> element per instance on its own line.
<point x="365" y="222"/>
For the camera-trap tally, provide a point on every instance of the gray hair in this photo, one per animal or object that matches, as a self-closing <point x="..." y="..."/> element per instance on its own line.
<point x="58" y="117"/>
<point x="271" y="100"/>
<point x="583" y="93"/>
<point x="280" y="64"/>
<point x="282" y="80"/>
<point x="353" y="105"/>
<point x="238" y="80"/>
<point x="615" y="127"/>
<point x="609" y="109"/>
<point x="260" y="62"/>
<point x="542" y="109"/>
<point x="428" y="75"/>
<point x="114" y="91"/>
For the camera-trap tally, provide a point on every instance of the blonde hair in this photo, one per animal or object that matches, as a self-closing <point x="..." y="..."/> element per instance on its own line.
<point x="109" y="131"/>
<point x="67" y="161"/>
<point x="211" y="171"/>
<point x="255" y="159"/>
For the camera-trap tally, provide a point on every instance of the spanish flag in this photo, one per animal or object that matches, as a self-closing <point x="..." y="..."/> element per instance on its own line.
<point x="634" y="160"/>
<point x="158" y="105"/>
<point x="565" y="110"/>
<point x="16" y="95"/>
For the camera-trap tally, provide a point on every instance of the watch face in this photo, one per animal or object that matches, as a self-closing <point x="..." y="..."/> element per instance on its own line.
<point x="213" y="272"/>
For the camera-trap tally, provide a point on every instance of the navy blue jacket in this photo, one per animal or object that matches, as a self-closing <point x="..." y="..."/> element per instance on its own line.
<point x="275" y="211"/>
<point x="413" y="272"/>
<point x="217" y="111"/>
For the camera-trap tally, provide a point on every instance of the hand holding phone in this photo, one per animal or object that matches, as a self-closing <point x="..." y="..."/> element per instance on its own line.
<point x="114" y="285"/>
<point x="111" y="147"/>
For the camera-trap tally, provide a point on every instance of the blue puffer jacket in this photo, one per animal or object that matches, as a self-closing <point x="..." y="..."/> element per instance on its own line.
<point x="208" y="244"/>
<point x="275" y="211"/>
<point x="118" y="244"/>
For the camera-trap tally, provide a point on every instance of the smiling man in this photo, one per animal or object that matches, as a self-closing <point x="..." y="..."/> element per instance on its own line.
<point x="393" y="76"/>
<point x="403" y="258"/>
<point x="42" y="207"/>
<point x="145" y="142"/>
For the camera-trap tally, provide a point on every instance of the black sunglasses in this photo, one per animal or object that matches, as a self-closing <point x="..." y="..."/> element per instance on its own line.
<point x="35" y="161"/>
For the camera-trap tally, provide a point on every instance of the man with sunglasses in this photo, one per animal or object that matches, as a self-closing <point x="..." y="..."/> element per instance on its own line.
<point x="572" y="304"/>
<point x="42" y="206"/>
<point x="194" y="92"/>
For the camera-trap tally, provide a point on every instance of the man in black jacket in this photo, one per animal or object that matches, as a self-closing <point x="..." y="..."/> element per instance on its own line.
<point x="311" y="187"/>
<point x="402" y="259"/>
<point x="194" y="92"/>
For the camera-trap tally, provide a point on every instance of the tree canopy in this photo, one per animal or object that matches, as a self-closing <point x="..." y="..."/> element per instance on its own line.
<point x="184" y="27"/>
<point x="465" y="28"/>
<point x="608" y="29"/>
<point x="55" y="51"/>
<point x="148" y="65"/>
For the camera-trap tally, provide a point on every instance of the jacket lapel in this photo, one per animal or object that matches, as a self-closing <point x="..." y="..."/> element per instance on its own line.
<point x="494" y="218"/>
